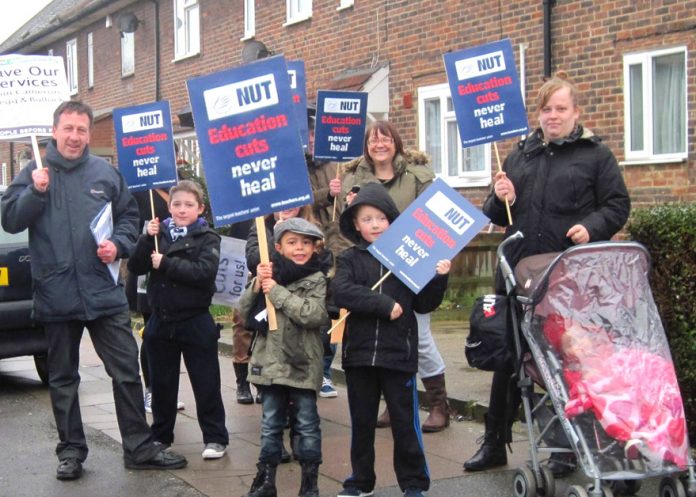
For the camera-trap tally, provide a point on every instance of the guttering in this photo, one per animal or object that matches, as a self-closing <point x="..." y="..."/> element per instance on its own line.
<point x="548" y="4"/>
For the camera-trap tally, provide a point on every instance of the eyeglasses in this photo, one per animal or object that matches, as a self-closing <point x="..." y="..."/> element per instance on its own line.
<point x="382" y="140"/>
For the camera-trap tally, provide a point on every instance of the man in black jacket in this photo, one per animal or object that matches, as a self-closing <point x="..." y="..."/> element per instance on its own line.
<point x="74" y="289"/>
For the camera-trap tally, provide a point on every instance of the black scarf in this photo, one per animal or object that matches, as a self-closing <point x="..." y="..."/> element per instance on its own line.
<point x="285" y="272"/>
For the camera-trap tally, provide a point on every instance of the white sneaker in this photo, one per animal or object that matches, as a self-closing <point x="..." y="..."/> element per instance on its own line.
<point x="180" y="406"/>
<point x="327" y="389"/>
<point x="214" y="451"/>
<point x="148" y="401"/>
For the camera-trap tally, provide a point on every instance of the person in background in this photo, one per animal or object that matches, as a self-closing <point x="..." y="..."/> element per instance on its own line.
<point x="241" y="337"/>
<point x="379" y="352"/>
<point x="286" y="363"/>
<point x="405" y="175"/>
<point x="180" y="290"/>
<point x="74" y="289"/>
<point x="564" y="187"/>
<point x="327" y="206"/>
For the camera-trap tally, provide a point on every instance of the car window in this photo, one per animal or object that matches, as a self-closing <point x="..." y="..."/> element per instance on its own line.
<point x="7" y="238"/>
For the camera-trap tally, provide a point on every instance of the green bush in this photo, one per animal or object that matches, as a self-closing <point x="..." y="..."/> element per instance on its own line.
<point x="669" y="233"/>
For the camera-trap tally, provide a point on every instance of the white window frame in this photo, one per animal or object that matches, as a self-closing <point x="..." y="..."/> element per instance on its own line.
<point x="297" y="11"/>
<point x="463" y="178"/>
<point x="90" y="60"/>
<point x="187" y="39"/>
<point x="4" y="174"/>
<point x="345" y="4"/>
<point x="127" y="54"/>
<point x="71" y="65"/>
<point x="249" y="19"/>
<point x="647" y="153"/>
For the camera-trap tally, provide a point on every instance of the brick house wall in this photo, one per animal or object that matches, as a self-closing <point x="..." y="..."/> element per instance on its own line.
<point x="589" y="41"/>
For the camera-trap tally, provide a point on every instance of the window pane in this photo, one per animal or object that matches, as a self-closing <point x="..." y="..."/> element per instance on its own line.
<point x="127" y="53"/>
<point x="433" y="136"/>
<point x="474" y="158"/>
<point x="452" y="148"/>
<point x="636" y="106"/>
<point x="669" y="107"/>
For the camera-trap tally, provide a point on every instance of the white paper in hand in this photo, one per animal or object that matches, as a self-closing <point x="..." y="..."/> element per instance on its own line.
<point x="102" y="227"/>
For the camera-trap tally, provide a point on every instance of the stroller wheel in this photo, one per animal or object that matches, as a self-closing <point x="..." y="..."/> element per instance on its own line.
<point x="606" y="490"/>
<point x="524" y="483"/>
<point x="548" y="483"/>
<point x="632" y="487"/>
<point x="671" y="486"/>
<point x="576" y="491"/>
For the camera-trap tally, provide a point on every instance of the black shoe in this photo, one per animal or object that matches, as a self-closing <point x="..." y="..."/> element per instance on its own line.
<point x="488" y="456"/>
<point x="69" y="469"/>
<point x="562" y="463"/>
<point x="244" y="394"/>
<point x="161" y="460"/>
<point x="259" y="400"/>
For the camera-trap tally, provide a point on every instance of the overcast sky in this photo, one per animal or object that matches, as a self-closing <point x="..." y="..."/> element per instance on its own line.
<point x="14" y="17"/>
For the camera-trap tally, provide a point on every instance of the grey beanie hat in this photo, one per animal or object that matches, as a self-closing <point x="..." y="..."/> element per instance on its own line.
<point x="296" y="225"/>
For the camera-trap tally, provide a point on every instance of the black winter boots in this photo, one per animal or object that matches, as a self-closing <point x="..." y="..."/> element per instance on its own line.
<point x="492" y="453"/>
<point x="241" y="371"/>
<point x="264" y="482"/>
<point x="310" y="474"/>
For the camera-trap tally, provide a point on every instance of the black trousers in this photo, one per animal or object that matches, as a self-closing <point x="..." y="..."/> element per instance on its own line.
<point x="195" y="339"/>
<point x="365" y="386"/>
<point x="114" y="343"/>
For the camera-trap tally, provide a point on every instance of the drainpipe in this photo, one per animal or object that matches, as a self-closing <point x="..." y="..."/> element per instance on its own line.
<point x="158" y="95"/>
<point x="548" y="4"/>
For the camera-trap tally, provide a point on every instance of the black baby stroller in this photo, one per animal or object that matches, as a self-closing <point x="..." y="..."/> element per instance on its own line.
<point x="591" y="336"/>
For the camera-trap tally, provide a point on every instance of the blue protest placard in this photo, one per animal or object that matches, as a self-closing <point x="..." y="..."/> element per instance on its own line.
<point x="340" y="126"/>
<point x="435" y="226"/>
<point x="145" y="146"/>
<point x="298" y="87"/>
<point x="486" y="93"/>
<point x="250" y="145"/>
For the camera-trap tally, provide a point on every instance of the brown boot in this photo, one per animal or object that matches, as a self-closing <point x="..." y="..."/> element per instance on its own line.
<point x="436" y="397"/>
<point x="383" y="420"/>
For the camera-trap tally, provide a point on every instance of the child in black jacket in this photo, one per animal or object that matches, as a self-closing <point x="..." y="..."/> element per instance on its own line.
<point x="380" y="346"/>
<point x="180" y="289"/>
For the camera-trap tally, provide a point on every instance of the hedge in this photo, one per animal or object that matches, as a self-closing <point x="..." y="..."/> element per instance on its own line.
<point x="669" y="234"/>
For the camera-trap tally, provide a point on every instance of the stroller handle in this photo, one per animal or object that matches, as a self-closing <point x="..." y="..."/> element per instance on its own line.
<point x="508" y="274"/>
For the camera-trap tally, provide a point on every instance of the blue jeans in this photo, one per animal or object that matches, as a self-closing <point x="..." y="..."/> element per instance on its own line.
<point x="303" y="402"/>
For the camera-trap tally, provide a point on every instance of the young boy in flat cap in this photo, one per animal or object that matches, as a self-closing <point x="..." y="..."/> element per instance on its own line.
<point x="286" y="364"/>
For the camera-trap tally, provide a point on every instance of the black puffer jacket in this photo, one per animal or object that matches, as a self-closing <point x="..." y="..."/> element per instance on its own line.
<point x="184" y="284"/>
<point x="370" y="337"/>
<point x="559" y="185"/>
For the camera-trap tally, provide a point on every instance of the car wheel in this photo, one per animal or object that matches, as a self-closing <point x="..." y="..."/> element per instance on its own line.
<point x="41" y="363"/>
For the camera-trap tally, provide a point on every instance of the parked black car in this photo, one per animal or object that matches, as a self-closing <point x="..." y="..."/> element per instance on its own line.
<point x="19" y="334"/>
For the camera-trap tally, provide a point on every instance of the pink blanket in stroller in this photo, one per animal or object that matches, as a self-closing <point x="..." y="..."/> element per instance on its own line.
<point x="632" y="392"/>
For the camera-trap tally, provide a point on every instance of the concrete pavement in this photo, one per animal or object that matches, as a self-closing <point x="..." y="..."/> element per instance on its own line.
<point x="232" y="475"/>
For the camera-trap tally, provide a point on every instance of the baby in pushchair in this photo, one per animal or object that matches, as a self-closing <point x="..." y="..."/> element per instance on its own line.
<point x="595" y="343"/>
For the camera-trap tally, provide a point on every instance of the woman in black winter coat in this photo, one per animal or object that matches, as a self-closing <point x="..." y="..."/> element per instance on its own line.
<point x="564" y="187"/>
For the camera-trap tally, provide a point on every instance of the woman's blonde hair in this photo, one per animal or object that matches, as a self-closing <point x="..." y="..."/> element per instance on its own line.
<point x="552" y="85"/>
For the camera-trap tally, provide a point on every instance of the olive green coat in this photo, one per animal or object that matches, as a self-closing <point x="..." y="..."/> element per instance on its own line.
<point x="412" y="175"/>
<point x="293" y="354"/>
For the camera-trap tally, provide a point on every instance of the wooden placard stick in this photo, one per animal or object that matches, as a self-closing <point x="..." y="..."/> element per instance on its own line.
<point x="37" y="153"/>
<point x="374" y="287"/>
<point x="500" y="169"/>
<point x="152" y="211"/>
<point x="263" y="252"/>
